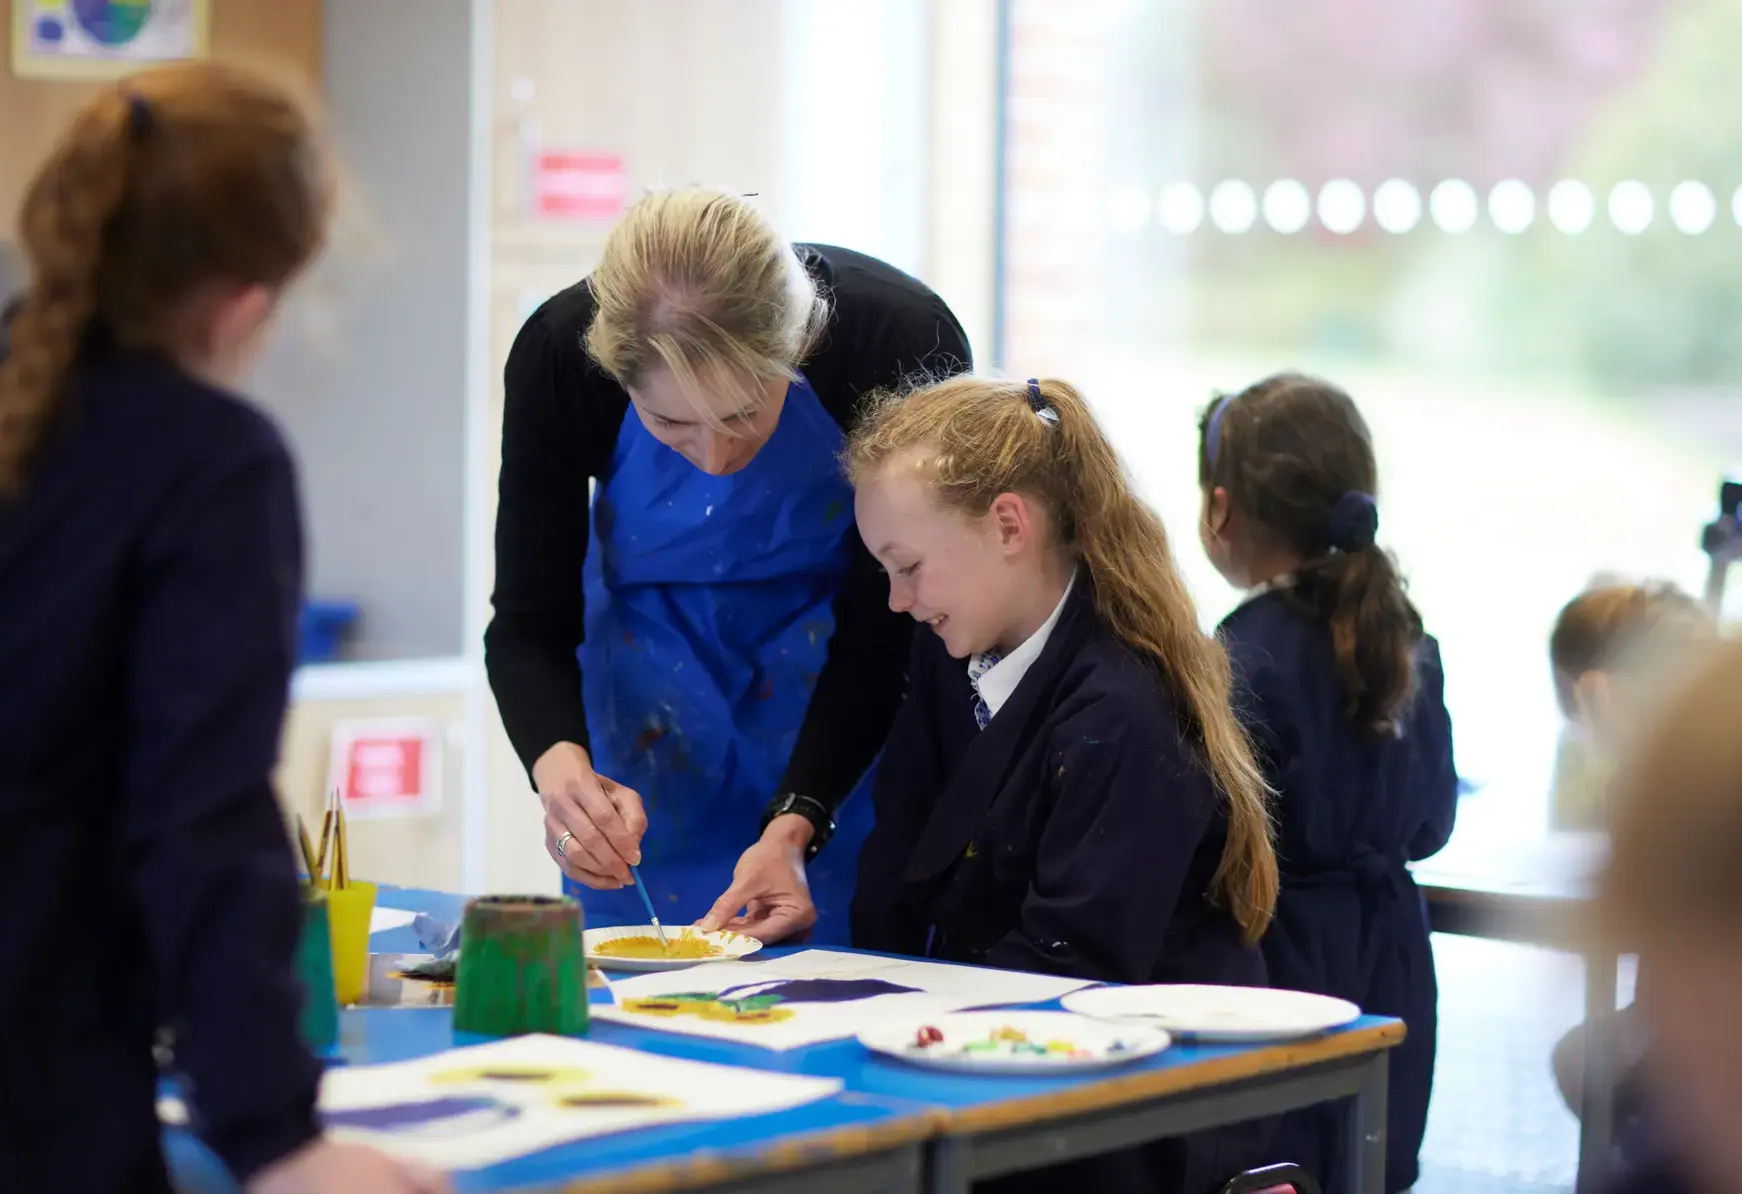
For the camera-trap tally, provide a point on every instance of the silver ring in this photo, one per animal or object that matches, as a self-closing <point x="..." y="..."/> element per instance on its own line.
<point x="561" y="842"/>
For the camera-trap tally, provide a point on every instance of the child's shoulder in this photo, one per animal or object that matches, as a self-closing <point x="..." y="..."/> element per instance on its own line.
<point x="185" y="421"/>
<point x="1108" y="681"/>
<point x="1272" y="621"/>
<point x="1276" y="633"/>
<point x="1273" y="634"/>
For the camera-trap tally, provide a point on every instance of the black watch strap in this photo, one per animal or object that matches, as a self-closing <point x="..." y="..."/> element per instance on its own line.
<point x="812" y="810"/>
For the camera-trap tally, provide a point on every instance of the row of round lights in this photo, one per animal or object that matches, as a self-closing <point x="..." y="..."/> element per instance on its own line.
<point x="1454" y="206"/>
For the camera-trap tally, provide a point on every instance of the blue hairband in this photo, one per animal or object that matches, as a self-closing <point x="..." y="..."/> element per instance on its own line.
<point x="139" y="116"/>
<point x="1038" y="404"/>
<point x="1213" y="433"/>
<point x="1353" y="522"/>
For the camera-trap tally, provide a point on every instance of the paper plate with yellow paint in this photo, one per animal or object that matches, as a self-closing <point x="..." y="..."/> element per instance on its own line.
<point x="636" y="947"/>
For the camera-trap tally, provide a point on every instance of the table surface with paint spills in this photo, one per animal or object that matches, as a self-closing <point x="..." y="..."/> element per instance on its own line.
<point x="884" y="1105"/>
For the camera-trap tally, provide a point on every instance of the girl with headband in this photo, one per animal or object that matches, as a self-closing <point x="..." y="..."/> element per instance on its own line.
<point x="1344" y="697"/>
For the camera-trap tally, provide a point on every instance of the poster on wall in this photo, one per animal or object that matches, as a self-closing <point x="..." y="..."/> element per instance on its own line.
<point x="587" y="186"/>
<point x="104" y="39"/>
<point x="386" y="769"/>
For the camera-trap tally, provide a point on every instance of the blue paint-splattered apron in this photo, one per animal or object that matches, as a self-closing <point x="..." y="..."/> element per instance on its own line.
<point x="709" y="611"/>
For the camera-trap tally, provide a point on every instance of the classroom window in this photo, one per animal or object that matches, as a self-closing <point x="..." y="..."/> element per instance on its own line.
<point x="1508" y="227"/>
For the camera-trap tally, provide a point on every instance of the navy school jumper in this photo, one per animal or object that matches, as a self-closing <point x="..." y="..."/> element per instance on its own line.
<point x="1076" y="835"/>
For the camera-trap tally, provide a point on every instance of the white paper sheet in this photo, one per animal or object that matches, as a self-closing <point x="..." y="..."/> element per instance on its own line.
<point x="468" y="1108"/>
<point x="814" y="996"/>
<point x="382" y="919"/>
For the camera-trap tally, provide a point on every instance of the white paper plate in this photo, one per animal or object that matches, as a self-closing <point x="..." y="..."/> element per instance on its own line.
<point x="1217" y="1013"/>
<point x="1099" y="1044"/>
<point x="733" y="946"/>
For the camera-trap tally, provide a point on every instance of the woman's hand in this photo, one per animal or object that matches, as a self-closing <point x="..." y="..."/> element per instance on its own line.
<point x="605" y="819"/>
<point x="769" y="884"/>
<point x="325" y="1167"/>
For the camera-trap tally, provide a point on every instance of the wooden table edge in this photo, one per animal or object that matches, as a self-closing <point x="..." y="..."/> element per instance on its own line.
<point x="1151" y="1084"/>
<point x="706" y="1168"/>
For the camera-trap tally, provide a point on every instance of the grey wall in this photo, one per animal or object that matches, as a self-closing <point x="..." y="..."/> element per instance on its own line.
<point x="369" y="378"/>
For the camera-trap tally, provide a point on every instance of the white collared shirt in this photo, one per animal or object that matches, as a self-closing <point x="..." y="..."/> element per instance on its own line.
<point x="1284" y="581"/>
<point x="999" y="681"/>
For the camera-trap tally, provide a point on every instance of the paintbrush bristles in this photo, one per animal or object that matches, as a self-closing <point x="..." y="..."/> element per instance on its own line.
<point x="334" y="848"/>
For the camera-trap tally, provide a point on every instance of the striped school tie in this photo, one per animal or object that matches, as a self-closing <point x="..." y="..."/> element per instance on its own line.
<point x="978" y="666"/>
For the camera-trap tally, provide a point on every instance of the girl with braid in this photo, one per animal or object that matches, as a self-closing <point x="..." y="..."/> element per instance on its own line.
<point x="150" y="578"/>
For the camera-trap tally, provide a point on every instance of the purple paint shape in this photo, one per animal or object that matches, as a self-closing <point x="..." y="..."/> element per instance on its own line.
<point x="452" y="1115"/>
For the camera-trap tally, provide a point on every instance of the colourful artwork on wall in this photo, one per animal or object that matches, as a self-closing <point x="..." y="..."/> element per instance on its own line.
<point x="474" y="1107"/>
<point x="104" y="39"/>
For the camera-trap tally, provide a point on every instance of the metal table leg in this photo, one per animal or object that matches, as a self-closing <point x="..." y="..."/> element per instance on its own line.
<point x="1367" y="1128"/>
<point x="1597" y="1103"/>
<point x="955" y="1161"/>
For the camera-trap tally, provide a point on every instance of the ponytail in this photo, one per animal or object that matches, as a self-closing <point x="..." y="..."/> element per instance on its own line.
<point x="1141" y="597"/>
<point x="66" y="211"/>
<point x="176" y="178"/>
<point x="1374" y="631"/>
<point x="1296" y="459"/>
<point x="1040" y="439"/>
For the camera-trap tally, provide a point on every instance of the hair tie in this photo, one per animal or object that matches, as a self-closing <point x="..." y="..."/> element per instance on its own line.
<point x="1353" y="522"/>
<point x="140" y="118"/>
<point x="1039" y="405"/>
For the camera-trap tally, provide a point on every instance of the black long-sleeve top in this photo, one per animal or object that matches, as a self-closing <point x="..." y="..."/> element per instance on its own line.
<point x="150" y="576"/>
<point x="560" y="426"/>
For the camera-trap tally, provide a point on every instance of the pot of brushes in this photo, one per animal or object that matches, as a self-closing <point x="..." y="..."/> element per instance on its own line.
<point x="319" y="1023"/>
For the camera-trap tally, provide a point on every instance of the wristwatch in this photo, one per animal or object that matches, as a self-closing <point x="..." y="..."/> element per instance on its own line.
<point x="814" y="811"/>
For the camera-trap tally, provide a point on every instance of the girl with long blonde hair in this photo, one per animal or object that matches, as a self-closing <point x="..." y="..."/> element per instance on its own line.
<point x="1067" y="789"/>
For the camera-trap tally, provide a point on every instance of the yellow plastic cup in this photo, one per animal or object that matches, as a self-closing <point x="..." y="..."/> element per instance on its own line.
<point x="348" y="911"/>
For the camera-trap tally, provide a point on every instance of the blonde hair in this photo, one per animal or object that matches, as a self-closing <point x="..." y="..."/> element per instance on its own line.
<point x="171" y="179"/>
<point x="1644" y="629"/>
<point x="982" y="438"/>
<point x="693" y="277"/>
<point x="1675" y="861"/>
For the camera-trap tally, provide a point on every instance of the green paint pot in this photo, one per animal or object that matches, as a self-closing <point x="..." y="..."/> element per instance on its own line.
<point x="522" y="968"/>
<point x="319" y="1023"/>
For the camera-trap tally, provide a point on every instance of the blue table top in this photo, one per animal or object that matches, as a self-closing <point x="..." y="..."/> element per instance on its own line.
<point x="877" y="1090"/>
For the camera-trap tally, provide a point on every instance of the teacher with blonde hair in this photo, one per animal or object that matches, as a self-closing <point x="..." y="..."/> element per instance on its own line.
<point x="691" y="649"/>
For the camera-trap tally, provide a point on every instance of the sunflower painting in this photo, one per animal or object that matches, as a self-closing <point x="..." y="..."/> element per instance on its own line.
<point x="476" y="1106"/>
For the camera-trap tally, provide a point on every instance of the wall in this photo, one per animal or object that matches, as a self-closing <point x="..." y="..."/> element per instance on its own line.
<point x="369" y="382"/>
<point x="283" y="36"/>
<point x="961" y="183"/>
<point x="854" y="168"/>
<point x="415" y="852"/>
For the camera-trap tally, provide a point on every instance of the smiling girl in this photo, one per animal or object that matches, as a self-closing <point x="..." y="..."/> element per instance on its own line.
<point x="1066" y="790"/>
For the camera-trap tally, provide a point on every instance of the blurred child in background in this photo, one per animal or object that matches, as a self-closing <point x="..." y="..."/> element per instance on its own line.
<point x="1672" y="892"/>
<point x="1612" y="648"/>
<point x="1617" y="648"/>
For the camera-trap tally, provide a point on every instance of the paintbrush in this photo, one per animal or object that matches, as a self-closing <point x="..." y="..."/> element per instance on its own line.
<point x="341" y="846"/>
<point x="307" y="848"/>
<point x="647" y="902"/>
<point x="318" y="875"/>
